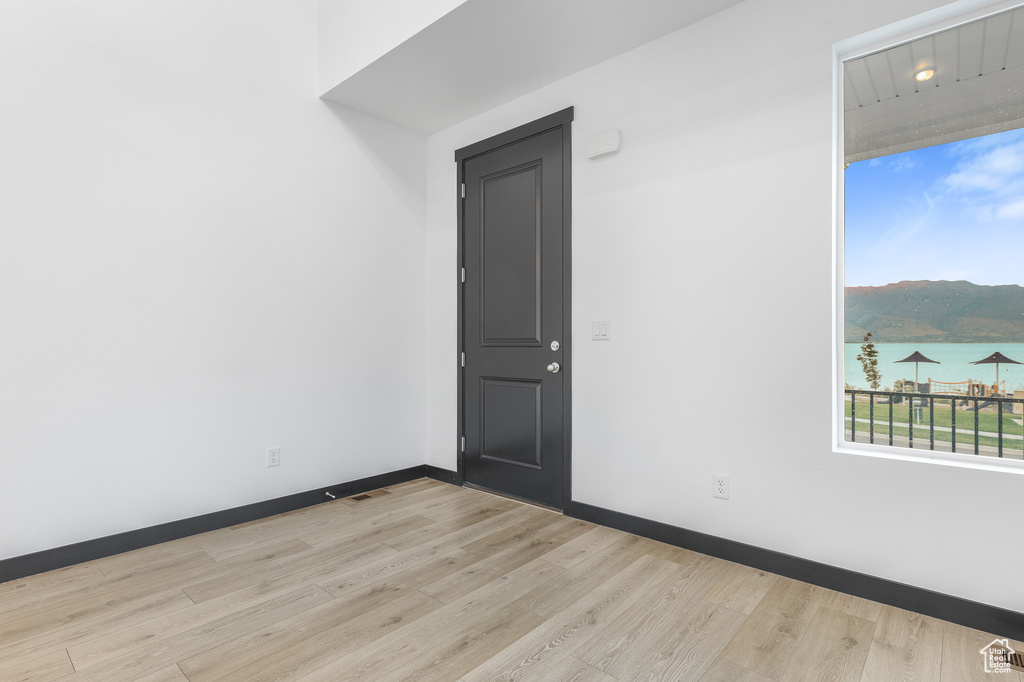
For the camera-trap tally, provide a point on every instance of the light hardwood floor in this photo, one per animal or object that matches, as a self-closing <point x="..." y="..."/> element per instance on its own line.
<point x="426" y="581"/>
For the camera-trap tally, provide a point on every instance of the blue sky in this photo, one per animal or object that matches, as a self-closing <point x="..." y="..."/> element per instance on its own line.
<point x="952" y="211"/>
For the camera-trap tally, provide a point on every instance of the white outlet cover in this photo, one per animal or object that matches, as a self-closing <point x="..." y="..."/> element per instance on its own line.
<point x="720" y="486"/>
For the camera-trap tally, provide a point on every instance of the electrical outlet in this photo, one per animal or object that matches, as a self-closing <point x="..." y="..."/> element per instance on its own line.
<point x="720" y="486"/>
<point x="273" y="457"/>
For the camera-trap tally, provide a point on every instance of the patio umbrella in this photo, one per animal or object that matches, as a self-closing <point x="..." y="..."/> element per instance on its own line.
<point x="916" y="358"/>
<point x="996" y="359"/>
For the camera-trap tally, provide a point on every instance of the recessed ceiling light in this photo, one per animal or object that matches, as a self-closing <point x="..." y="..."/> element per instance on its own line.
<point x="924" y="74"/>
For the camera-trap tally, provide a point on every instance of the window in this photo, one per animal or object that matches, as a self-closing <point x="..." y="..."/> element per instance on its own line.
<point x="931" y="320"/>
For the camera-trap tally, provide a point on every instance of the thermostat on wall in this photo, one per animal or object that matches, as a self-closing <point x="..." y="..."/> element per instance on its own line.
<point x="603" y="144"/>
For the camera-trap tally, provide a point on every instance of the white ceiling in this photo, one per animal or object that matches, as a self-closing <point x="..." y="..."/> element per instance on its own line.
<point x="488" y="52"/>
<point x="978" y="88"/>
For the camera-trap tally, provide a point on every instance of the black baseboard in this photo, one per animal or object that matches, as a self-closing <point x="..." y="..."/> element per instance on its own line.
<point x="993" y="619"/>
<point x="443" y="475"/>
<point x="90" y="550"/>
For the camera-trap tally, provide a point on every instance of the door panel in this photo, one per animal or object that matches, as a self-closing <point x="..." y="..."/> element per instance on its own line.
<point x="510" y="247"/>
<point x="510" y="416"/>
<point x="514" y="217"/>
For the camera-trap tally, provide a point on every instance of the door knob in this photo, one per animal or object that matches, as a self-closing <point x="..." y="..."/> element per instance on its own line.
<point x="553" y="368"/>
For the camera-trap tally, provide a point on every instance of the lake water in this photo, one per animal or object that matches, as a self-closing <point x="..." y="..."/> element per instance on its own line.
<point x="955" y="359"/>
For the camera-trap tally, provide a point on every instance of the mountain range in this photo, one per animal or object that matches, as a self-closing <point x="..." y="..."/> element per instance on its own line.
<point x="936" y="312"/>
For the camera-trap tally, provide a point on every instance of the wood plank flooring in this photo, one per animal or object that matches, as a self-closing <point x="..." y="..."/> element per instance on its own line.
<point x="426" y="581"/>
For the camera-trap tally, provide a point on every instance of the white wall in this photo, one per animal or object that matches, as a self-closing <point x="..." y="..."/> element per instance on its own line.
<point x="708" y="238"/>
<point x="352" y="35"/>
<point x="198" y="260"/>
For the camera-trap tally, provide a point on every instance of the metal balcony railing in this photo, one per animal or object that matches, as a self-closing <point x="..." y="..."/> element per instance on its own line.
<point x="986" y="425"/>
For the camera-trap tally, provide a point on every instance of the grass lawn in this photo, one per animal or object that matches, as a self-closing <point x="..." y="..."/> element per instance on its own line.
<point x="987" y="421"/>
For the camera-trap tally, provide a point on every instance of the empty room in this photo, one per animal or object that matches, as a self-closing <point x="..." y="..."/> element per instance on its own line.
<point x="511" y="339"/>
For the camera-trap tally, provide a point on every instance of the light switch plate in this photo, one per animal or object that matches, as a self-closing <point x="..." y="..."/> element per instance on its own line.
<point x="601" y="330"/>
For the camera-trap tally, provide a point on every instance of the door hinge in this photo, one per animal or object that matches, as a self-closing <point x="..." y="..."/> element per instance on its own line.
<point x="463" y="359"/>
<point x="463" y="443"/>
<point x="463" y="275"/>
<point x="463" y="190"/>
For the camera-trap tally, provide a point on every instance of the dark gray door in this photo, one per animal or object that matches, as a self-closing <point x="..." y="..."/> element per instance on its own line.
<point x="515" y="316"/>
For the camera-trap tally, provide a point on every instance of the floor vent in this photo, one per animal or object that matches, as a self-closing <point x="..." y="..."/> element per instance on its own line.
<point x="369" y="495"/>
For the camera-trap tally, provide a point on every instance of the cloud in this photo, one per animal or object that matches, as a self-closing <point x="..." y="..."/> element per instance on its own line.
<point x="1013" y="210"/>
<point x="993" y="170"/>
<point x="904" y="229"/>
<point x="902" y="163"/>
<point x="987" y="179"/>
